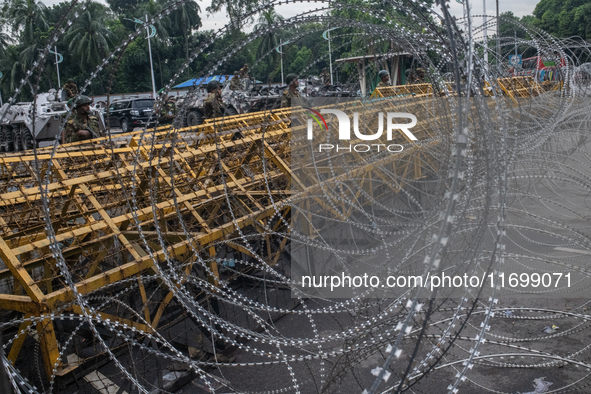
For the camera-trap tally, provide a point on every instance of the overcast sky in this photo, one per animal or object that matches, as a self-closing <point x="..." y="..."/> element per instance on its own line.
<point x="216" y="21"/>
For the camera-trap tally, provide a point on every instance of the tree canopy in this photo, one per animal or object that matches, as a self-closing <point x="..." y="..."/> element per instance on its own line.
<point x="564" y="18"/>
<point x="98" y="29"/>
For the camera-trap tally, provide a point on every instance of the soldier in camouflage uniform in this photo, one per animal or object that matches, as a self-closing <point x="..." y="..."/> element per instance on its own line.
<point x="384" y="79"/>
<point x="81" y="126"/>
<point x="417" y="77"/>
<point x="291" y="91"/>
<point x="71" y="89"/>
<point x="325" y="76"/>
<point x="411" y="77"/>
<point x="235" y="82"/>
<point x="213" y="106"/>
<point x="244" y="71"/>
<point x="169" y="110"/>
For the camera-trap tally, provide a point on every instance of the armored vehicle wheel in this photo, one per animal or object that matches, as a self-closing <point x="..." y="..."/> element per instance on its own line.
<point x="194" y="118"/>
<point x="16" y="140"/>
<point x="9" y="139"/>
<point x="230" y="111"/>
<point x="125" y="126"/>
<point x="27" y="140"/>
<point x="3" y="138"/>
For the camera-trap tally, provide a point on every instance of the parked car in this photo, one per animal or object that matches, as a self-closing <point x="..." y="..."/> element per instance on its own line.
<point x="131" y="113"/>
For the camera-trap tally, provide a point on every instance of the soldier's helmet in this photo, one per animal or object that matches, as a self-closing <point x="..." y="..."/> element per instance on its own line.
<point x="70" y="80"/>
<point x="212" y="85"/>
<point x="290" y="78"/>
<point x="236" y="73"/>
<point x="171" y="98"/>
<point x="81" y="100"/>
<point x="421" y="71"/>
<point x="383" y="74"/>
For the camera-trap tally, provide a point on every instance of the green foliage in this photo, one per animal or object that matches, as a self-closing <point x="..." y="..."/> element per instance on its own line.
<point x="12" y="68"/>
<point x="564" y="18"/>
<point x="302" y="58"/>
<point x="123" y="6"/>
<point x="88" y="39"/>
<point x="25" y="17"/>
<point x="136" y="58"/>
<point x="271" y="40"/>
<point x="235" y="9"/>
<point x="98" y="29"/>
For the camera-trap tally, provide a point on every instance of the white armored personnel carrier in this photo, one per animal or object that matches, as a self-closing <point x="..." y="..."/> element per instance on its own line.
<point x="22" y="128"/>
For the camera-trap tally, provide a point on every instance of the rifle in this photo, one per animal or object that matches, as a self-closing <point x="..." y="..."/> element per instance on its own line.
<point x="92" y="133"/>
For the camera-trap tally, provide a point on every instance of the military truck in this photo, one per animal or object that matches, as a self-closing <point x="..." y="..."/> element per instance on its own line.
<point x="22" y="128"/>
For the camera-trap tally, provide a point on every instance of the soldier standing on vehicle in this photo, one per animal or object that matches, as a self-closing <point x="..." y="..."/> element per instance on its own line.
<point x="235" y="82"/>
<point x="214" y="107"/>
<point x="325" y="76"/>
<point x="384" y="79"/>
<point x="291" y="91"/>
<point x="244" y="71"/>
<point x="71" y="89"/>
<point x="81" y="126"/>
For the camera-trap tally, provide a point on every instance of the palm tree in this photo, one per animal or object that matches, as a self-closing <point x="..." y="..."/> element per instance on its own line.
<point x="27" y="16"/>
<point x="235" y="9"/>
<point x="162" y="26"/>
<point x="5" y="41"/>
<point x="88" y="39"/>
<point x="186" y="18"/>
<point x="13" y="69"/>
<point x="270" y="40"/>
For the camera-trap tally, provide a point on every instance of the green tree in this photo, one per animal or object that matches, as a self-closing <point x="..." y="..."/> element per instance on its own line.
<point x="235" y="9"/>
<point x="5" y="41"/>
<point x="88" y="38"/>
<point x="186" y="19"/>
<point x="302" y="59"/>
<point x="510" y="26"/>
<point x="25" y="17"/>
<point x="13" y="70"/>
<point x="564" y="18"/>
<point x="270" y="40"/>
<point x="124" y="6"/>
<point x="133" y="73"/>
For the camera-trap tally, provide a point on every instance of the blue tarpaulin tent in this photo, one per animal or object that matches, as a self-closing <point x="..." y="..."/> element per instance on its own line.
<point x="204" y="81"/>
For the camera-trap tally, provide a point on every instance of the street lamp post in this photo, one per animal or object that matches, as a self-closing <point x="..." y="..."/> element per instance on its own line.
<point x="151" y="65"/>
<point x="515" y="31"/>
<point x="281" y="45"/>
<point x="59" y="84"/>
<point x="57" y="66"/>
<point x="279" y="50"/>
<point x="498" y="32"/>
<point x="485" y="36"/>
<point x="152" y="34"/>
<point x="326" y="36"/>
<point x="515" y="66"/>
<point x="58" y="59"/>
<point x="329" y="57"/>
